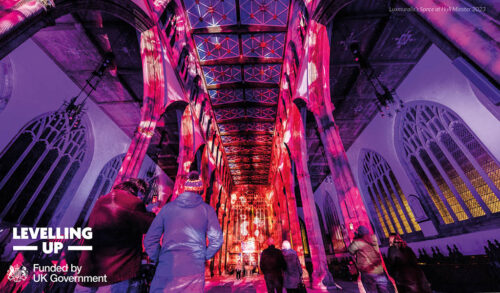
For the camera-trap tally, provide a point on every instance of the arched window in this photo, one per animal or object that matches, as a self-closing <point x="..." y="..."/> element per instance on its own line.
<point x="388" y="202"/>
<point x="333" y="224"/>
<point x="102" y="186"/>
<point x="40" y="163"/>
<point x="442" y="154"/>
<point x="6" y="82"/>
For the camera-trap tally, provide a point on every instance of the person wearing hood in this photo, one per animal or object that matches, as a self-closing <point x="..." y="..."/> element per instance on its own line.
<point x="185" y="223"/>
<point x="367" y="257"/>
<point x="292" y="276"/>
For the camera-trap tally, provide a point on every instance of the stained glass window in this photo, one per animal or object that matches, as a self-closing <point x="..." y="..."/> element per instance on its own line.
<point x="38" y="165"/>
<point x="387" y="201"/>
<point x="459" y="174"/>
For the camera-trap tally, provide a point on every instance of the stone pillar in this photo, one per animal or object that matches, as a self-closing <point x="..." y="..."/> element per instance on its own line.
<point x="154" y="91"/>
<point x="311" y="220"/>
<point x="320" y="104"/>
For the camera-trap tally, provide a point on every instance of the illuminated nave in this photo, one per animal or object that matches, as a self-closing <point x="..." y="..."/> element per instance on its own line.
<point x="312" y="122"/>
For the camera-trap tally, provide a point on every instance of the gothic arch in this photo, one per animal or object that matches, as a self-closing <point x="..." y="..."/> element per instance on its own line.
<point x="447" y="163"/>
<point x="42" y="165"/>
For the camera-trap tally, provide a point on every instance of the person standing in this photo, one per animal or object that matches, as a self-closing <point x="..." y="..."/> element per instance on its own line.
<point x="185" y="224"/>
<point x="403" y="267"/>
<point x="272" y="264"/>
<point x="365" y="249"/>
<point x="118" y="221"/>
<point x="238" y="269"/>
<point x="292" y="276"/>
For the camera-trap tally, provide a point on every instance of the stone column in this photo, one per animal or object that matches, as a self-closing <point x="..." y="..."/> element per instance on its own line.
<point x="154" y="91"/>
<point x="320" y="104"/>
<point x="311" y="220"/>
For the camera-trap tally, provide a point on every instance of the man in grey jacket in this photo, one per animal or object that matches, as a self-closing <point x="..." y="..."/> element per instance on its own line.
<point x="185" y="224"/>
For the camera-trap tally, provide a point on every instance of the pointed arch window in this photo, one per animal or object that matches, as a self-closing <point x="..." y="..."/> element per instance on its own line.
<point x="388" y="202"/>
<point x="40" y="163"/>
<point x="443" y="156"/>
<point x="334" y="225"/>
<point x="102" y="186"/>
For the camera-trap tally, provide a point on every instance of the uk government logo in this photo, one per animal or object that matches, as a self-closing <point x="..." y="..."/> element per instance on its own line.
<point x="51" y="241"/>
<point x="17" y="273"/>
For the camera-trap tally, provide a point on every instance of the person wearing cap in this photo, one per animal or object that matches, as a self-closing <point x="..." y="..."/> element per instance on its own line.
<point x="118" y="221"/>
<point x="185" y="223"/>
<point x="368" y="260"/>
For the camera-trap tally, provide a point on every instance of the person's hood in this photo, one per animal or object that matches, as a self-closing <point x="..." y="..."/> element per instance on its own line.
<point x="188" y="200"/>
<point x="288" y="251"/>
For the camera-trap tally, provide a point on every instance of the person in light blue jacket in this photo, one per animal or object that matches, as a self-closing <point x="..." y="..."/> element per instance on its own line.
<point x="185" y="224"/>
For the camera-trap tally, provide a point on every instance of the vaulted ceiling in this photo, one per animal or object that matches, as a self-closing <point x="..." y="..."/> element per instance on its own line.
<point x="240" y="47"/>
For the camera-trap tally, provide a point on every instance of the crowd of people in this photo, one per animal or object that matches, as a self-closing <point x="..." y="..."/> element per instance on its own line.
<point x="176" y="240"/>
<point x="401" y="265"/>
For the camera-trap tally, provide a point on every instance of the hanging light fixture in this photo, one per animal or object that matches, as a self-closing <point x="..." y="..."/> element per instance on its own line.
<point x="388" y="102"/>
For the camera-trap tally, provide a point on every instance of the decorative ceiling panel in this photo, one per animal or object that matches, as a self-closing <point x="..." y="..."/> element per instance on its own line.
<point x="266" y="96"/>
<point x="248" y="160"/>
<point x="261" y="112"/>
<point x="209" y="13"/>
<point x="225" y="96"/>
<point x="246" y="139"/>
<point x="240" y="46"/>
<point x="250" y="126"/>
<point x="243" y="150"/>
<point x="267" y="73"/>
<point x="265" y="45"/>
<point x="215" y="46"/>
<point x="218" y="74"/>
<point x="264" y="12"/>
<point x="242" y="113"/>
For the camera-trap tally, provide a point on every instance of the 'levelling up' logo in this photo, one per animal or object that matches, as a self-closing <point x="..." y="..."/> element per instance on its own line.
<point x="48" y="233"/>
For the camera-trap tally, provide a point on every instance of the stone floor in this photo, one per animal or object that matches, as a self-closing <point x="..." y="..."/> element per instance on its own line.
<point x="255" y="284"/>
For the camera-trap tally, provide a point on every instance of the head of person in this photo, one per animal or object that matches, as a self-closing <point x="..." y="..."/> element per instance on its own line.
<point x="194" y="183"/>
<point x="133" y="186"/>
<point x="396" y="240"/>
<point x="361" y="232"/>
<point x="286" y="245"/>
<point x="270" y="241"/>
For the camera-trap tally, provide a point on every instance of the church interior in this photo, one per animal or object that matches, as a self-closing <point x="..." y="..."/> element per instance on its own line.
<point x="305" y="119"/>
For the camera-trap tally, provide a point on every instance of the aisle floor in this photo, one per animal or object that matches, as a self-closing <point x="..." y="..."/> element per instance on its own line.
<point x="256" y="284"/>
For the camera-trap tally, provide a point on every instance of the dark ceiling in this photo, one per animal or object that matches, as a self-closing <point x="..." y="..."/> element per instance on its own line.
<point x="390" y="44"/>
<point x="78" y="43"/>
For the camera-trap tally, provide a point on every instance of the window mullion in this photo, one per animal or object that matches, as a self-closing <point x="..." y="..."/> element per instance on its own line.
<point x="461" y="173"/>
<point x="447" y="179"/>
<point x="436" y="188"/>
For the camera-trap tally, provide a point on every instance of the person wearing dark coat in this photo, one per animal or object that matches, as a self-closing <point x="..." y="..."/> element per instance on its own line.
<point x="272" y="264"/>
<point x="183" y="227"/>
<point x="118" y="221"/>
<point x="292" y="276"/>
<point x="402" y="265"/>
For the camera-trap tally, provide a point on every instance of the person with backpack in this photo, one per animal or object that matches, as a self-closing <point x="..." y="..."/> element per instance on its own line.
<point x="368" y="260"/>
